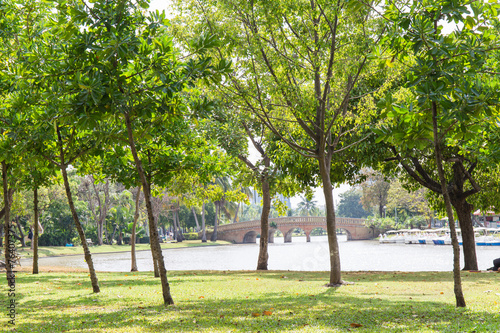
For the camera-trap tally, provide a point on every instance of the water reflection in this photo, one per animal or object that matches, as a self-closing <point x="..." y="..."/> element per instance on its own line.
<point x="298" y="255"/>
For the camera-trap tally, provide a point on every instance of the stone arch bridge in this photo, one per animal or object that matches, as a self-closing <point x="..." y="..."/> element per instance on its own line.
<point x="246" y="232"/>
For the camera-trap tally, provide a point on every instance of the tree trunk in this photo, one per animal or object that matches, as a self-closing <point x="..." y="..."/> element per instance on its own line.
<point x="333" y="246"/>
<point x="114" y="233"/>
<point x="35" y="230"/>
<point x="237" y="212"/>
<point x="10" y="250"/>
<point x="20" y="228"/>
<point x="81" y="233"/>
<point x="457" y="285"/>
<point x="216" y="222"/>
<point x="464" y="211"/>
<point x="180" y="236"/>
<point x="156" y="268"/>
<point x="196" y="220"/>
<point x="176" y="230"/>
<point x="264" y="223"/>
<point x="155" y="244"/>
<point x="203" y="229"/>
<point x="134" y="228"/>
<point x="106" y="234"/>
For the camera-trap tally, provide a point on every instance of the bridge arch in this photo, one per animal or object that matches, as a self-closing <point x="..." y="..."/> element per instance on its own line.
<point x="348" y="233"/>
<point x="250" y="237"/>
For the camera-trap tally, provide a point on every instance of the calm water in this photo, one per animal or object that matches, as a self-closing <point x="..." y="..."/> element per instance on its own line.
<point x="298" y="255"/>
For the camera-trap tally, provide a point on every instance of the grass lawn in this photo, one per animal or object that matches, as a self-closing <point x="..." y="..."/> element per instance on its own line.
<point x="249" y="301"/>
<point x="50" y="251"/>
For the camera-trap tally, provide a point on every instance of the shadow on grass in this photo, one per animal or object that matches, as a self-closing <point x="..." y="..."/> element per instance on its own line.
<point x="324" y="312"/>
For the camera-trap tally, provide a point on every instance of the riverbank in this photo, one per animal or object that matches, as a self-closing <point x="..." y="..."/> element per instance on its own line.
<point x="54" y="251"/>
<point x="241" y="301"/>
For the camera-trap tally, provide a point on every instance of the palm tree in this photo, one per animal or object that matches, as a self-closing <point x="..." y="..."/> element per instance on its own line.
<point x="306" y="205"/>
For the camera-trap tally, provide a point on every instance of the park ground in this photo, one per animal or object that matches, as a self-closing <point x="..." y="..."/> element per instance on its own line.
<point x="250" y="301"/>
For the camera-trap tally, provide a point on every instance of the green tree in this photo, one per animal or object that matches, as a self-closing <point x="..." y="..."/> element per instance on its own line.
<point x="307" y="205"/>
<point x="375" y="191"/>
<point x="350" y="204"/>
<point x="302" y="69"/>
<point x="448" y="93"/>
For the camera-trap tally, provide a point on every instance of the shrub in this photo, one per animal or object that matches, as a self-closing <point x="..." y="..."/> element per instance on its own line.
<point x="76" y="241"/>
<point x="191" y="236"/>
<point x="144" y="240"/>
<point x="126" y="239"/>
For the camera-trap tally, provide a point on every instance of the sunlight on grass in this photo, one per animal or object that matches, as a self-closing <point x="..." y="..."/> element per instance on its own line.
<point x="246" y="301"/>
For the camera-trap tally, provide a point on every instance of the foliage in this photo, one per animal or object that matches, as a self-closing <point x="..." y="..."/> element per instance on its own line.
<point x="381" y="223"/>
<point x="350" y="204"/>
<point x="375" y="191"/>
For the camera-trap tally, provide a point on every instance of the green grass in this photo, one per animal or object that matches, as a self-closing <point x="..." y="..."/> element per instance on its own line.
<point x="50" y="251"/>
<point x="230" y="301"/>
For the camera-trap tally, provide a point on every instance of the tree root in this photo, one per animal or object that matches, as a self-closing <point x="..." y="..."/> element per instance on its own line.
<point x="336" y="285"/>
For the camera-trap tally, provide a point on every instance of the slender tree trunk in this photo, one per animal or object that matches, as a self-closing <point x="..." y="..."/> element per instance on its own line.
<point x="216" y="222"/>
<point x="264" y="224"/>
<point x="134" y="229"/>
<point x="464" y="211"/>
<point x="237" y="212"/>
<point x="196" y="220"/>
<point x="81" y="233"/>
<point x="155" y="244"/>
<point x="333" y="246"/>
<point x="21" y="233"/>
<point x="174" y="226"/>
<point x="35" y="230"/>
<point x="9" y="244"/>
<point x="203" y="229"/>
<point x="106" y="234"/>
<point x="180" y="235"/>
<point x="459" y="297"/>
<point x="114" y="233"/>
<point x="156" y="268"/>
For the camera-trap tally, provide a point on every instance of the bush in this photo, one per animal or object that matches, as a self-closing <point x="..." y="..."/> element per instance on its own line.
<point x="144" y="240"/>
<point x="76" y="241"/>
<point x="126" y="239"/>
<point x="28" y="243"/>
<point x="191" y="236"/>
<point x="53" y="239"/>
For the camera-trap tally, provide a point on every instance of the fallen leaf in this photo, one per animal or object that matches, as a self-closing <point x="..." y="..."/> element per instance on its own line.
<point x="442" y="293"/>
<point x="221" y="316"/>
<point x="201" y="297"/>
<point x="255" y="314"/>
<point x="356" y="325"/>
<point x="267" y="313"/>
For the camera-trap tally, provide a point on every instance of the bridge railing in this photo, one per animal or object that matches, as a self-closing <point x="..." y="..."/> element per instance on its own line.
<point x="293" y="220"/>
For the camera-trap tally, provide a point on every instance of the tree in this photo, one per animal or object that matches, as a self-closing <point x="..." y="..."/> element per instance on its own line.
<point x="307" y="205"/>
<point x="350" y="204"/>
<point x="375" y="191"/>
<point x="98" y="206"/>
<point x="448" y="93"/>
<point x="302" y="68"/>
<point x="130" y="77"/>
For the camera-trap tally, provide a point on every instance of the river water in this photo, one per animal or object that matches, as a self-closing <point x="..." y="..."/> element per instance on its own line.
<point x="298" y="255"/>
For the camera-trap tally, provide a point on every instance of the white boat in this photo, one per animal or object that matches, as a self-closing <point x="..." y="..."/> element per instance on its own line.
<point x="427" y="236"/>
<point x="412" y="236"/>
<point x="392" y="236"/>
